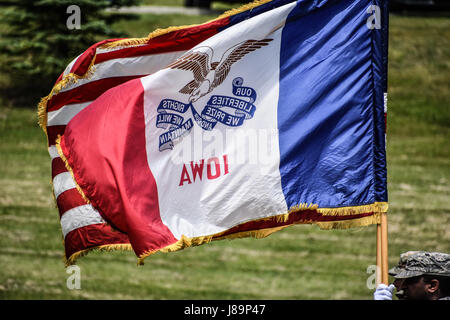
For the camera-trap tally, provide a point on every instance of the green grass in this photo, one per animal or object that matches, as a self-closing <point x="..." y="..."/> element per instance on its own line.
<point x="300" y="262"/>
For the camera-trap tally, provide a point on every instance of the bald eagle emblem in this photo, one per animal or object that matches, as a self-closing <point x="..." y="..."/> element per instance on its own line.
<point x="231" y="111"/>
<point x="207" y="74"/>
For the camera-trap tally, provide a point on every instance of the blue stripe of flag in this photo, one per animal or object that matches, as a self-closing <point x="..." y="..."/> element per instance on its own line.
<point x="330" y="111"/>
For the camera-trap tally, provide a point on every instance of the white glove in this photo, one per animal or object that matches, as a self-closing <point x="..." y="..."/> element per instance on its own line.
<point x="383" y="292"/>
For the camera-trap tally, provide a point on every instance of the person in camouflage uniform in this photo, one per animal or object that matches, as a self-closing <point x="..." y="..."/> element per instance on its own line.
<point x="396" y="270"/>
<point x="383" y="291"/>
<point x="419" y="276"/>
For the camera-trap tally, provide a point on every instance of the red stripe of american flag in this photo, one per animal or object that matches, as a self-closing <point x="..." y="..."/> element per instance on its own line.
<point x="86" y="92"/>
<point x="92" y="236"/>
<point x="68" y="200"/>
<point x="178" y="40"/>
<point x="82" y="64"/>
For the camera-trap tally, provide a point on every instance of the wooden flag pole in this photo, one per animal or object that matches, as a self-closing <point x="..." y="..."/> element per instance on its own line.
<point x="382" y="251"/>
<point x="379" y="270"/>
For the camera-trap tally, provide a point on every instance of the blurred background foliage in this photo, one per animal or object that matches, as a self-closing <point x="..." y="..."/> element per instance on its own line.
<point x="36" y="44"/>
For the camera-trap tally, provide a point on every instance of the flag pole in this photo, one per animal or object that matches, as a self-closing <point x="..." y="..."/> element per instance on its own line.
<point x="384" y="249"/>
<point x="379" y="266"/>
<point x="382" y="229"/>
<point x="382" y="275"/>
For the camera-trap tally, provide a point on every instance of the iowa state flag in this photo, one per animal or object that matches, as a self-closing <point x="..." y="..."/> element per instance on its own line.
<point x="268" y="116"/>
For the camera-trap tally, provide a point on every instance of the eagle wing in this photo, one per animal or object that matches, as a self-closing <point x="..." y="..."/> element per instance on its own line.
<point x="236" y="54"/>
<point x="198" y="63"/>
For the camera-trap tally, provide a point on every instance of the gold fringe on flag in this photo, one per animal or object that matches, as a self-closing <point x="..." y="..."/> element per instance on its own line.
<point x="351" y="223"/>
<point x="108" y="247"/>
<point x="186" y="242"/>
<point x="376" y="207"/>
<point x="68" y="79"/>
<point x="69" y="168"/>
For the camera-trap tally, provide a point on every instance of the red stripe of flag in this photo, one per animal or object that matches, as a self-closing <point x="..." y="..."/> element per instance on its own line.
<point x="53" y="132"/>
<point x="84" y="60"/>
<point x="86" y="92"/>
<point x="179" y="40"/>
<point x="69" y="199"/>
<point x="57" y="167"/>
<point x="92" y="236"/>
